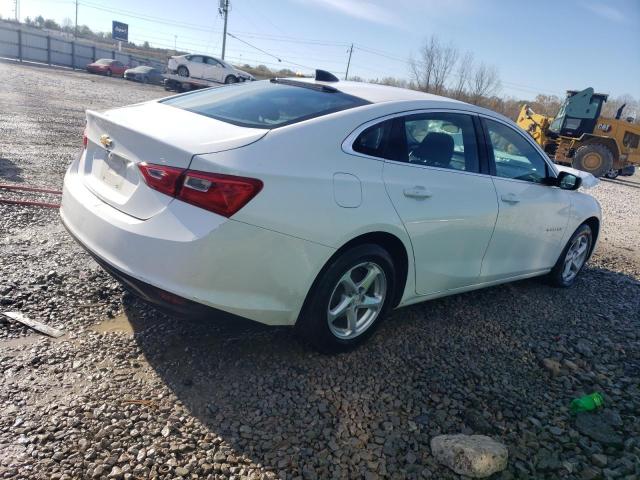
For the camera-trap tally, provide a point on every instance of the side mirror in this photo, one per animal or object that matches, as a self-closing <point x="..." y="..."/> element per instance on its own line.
<point x="568" y="181"/>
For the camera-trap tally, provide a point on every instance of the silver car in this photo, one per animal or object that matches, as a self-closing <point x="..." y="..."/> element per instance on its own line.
<point x="144" y="74"/>
<point x="206" y="68"/>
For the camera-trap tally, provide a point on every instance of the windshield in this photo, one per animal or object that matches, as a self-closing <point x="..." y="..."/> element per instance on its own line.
<point x="556" y="125"/>
<point x="264" y="104"/>
<point x="104" y="61"/>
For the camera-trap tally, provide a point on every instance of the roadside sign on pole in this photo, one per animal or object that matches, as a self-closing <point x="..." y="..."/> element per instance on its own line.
<point x="120" y="31"/>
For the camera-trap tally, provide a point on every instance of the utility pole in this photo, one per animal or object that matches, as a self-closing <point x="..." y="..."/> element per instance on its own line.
<point x="75" y="33"/>
<point x="346" y="74"/>
<point x="224" y="11"/>
<point x="17" y="10"/>
<point x="175" y="43"/>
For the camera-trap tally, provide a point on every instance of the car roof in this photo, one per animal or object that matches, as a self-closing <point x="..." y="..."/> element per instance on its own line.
<point x="377" y="93"/>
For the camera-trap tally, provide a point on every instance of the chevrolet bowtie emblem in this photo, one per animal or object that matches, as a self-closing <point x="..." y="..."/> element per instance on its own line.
<point x="106" y="141"/>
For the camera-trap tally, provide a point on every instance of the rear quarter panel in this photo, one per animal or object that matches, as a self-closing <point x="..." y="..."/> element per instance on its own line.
<point x="297" y="164"/>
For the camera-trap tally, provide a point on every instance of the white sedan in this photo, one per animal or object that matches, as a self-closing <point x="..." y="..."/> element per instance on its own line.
<point x="320" y="204"/>
<point x="207" y="68"/>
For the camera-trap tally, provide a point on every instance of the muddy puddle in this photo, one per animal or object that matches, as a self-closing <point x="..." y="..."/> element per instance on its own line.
<point x="119" y="324"/>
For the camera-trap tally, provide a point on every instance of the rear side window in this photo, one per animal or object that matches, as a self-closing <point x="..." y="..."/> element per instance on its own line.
<point x="264" y="104"/>
<point x="373" y="141"/>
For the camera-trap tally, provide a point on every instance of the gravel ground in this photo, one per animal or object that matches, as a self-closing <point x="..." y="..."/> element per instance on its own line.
<point x="131" y="393"/>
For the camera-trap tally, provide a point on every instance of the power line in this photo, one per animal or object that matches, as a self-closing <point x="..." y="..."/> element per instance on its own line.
<point x="265" y="52"/>
<point x="254" y="47"/>
<point x="269" y="37"/>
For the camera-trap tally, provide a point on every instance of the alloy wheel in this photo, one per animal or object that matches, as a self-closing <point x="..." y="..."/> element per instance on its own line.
<point x="576" y="256"/>
<point x="356" y="300"/>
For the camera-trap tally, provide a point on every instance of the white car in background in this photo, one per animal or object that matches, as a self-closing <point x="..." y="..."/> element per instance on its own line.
<point x="206" y="68"/>
<point x="321" y="204"/>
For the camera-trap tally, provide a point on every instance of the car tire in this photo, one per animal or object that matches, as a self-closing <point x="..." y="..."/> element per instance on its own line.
<point x="109" y="73"/>
<point x="230" y="79"/>
<point x="183" y="71"/>
<point x="594" y="158"/>
<point x="348" y="299"/>
<point x="613" y="173"/>
<point x="145" y="80"/>
<point x="573" y="258"/>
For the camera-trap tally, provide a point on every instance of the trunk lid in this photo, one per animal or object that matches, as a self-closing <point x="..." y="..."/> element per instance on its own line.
<point x="119" y="139"/>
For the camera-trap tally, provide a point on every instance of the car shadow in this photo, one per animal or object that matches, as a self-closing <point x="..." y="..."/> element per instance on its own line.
<point x="276" y="402"/>
<point x="9" y="171"/>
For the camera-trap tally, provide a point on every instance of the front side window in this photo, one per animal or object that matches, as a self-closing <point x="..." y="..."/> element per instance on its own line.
<point x="514" y="156"/>
<point x="443" y="140"/>
<point x="212" y="61"/>
<point x="265" y="104"/>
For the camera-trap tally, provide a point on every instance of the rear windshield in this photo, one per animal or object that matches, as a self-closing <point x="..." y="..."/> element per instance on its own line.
<point x="104" y="61"/>
<point x="264" y="104"/>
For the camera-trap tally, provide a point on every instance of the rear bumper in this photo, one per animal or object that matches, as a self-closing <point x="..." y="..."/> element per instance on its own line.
<point x="165" y="300"/>
<point x="190" y="253"/>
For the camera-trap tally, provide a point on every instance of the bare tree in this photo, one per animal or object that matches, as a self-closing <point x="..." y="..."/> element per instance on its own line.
<point x="391" y="81"/>
<point x="632" y="106"/>
<point x="67" y="24"/>
<point x="444" y="65"/>
<point x="485" y="82"/>
<point x="463" y="76"/>
<point x="546" y="104"/>
<point x="433" y="67"/>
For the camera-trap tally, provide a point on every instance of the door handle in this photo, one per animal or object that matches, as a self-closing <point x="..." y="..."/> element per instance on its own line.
<point x="510" y="198"/>
<point x="417" y="192"/>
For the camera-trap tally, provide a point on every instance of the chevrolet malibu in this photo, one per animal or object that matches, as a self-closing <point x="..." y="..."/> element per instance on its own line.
<point x="320" y="204"/>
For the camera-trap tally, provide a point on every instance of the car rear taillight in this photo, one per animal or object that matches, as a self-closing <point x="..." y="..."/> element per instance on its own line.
<point x="218" y="193"/>
<point x="161" y="178"/>
<point x="85" y="139"/>
<point x="221" y="194"/>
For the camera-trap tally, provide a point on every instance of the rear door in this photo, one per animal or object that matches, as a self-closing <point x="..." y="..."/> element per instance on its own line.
<point x="196" y="66"/>
<point x="532" y="215"/>
<point x="447" y="205"/>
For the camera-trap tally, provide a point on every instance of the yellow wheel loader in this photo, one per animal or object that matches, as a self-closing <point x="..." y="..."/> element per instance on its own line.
<point x="580" y="137"/>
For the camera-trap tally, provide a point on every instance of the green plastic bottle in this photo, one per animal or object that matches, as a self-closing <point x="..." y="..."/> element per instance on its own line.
<point x="587" y="403"/>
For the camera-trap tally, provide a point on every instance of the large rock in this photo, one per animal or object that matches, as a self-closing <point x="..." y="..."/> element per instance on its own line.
<point x="476" y="456"/>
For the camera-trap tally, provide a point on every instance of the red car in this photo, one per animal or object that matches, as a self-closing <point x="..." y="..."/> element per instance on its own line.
<point x="107" y="66"/>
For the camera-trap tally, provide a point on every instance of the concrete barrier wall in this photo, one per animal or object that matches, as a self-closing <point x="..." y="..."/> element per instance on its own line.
<point x="35" y="47"/>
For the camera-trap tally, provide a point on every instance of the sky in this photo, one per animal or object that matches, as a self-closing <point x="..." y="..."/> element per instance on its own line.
<point x="546" y="46"/>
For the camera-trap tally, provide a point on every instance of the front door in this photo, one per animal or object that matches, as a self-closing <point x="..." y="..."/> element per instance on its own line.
<point x="532" y="216"/>
<point x="447" y="207"/>
<point x="212" y="70"/>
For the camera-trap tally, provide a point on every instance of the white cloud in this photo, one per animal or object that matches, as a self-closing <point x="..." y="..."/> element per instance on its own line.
<point x="606" y="11"/>
<point x="361" y="9"/>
